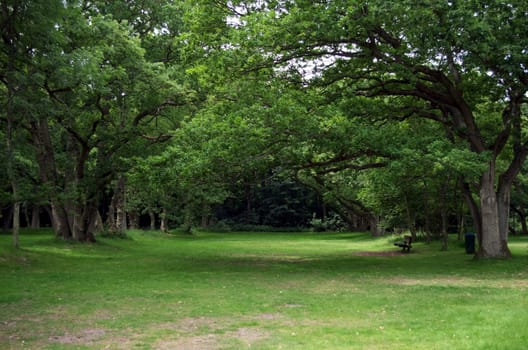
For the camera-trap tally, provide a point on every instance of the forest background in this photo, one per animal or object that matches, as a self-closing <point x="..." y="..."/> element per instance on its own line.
<point x="265" y="114"/>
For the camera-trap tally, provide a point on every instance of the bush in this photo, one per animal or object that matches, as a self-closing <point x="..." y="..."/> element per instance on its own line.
<point x="330" y="223"/>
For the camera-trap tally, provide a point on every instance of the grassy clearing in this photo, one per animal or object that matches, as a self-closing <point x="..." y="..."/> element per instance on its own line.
<point x="259" y="291"/>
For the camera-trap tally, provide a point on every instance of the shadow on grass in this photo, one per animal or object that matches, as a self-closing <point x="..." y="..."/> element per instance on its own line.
<point x="246" y="253"/>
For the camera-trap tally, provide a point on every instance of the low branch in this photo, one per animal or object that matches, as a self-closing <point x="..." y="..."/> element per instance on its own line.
<point x="159" y="138"/>
<point x="156" y="110"/>
<point x="339" y="163"/>
<point x="357" y="167"/>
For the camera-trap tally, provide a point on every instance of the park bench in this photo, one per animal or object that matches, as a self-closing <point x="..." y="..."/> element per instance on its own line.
<point x="405" y="244"/>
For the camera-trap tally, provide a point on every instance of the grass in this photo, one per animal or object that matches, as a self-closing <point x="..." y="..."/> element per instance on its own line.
<point x="259" y="291"/>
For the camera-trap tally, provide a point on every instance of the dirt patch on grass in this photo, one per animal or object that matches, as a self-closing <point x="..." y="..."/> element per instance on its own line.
<point x="267" y="317"/>
<point x="213" y="333"/>
<point x="204" y="333"/>
<point x="245" y="337"/>
<point x="384" y="253"/>
<point x="86" y="336"/>
<point x="202" y="342"/>
<point x="461" y="282"/>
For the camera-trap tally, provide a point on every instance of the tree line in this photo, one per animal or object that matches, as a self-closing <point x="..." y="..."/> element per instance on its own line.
<point x="364" y="115"/>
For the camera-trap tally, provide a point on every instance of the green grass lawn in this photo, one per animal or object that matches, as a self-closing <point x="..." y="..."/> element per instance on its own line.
<point x="258" y="291"/>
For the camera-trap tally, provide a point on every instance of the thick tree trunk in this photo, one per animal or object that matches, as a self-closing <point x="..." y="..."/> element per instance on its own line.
<point x="494" y="241"/>
<point x="84" y="222"/>
<point x="48" y="175"/>
<point x="374" y="226"/>
<point x="60" y="220"/>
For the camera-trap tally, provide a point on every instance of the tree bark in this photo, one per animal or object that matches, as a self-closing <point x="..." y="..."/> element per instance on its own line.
<point x="84" y="222"/>
<point x="35" y="216"/>
<point x="133" y="218"/>
<point x="411" y="222"/>
<point x="164" y="226"/>
<point x="443" y="213"/>
<point x="493" y="215"/>
<point x="48" y="176"/>
<point x="152" y="218"/>
<point x="16" y="218"/>
<point x="60" y="220"/>
<point x="375" y="230"/>
<point x="121" y="220"/>
<point x="116" y="220"/>
<point x="522" y="219"/>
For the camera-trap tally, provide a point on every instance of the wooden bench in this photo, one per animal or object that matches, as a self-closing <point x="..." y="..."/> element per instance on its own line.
<point x="405" y="244"/>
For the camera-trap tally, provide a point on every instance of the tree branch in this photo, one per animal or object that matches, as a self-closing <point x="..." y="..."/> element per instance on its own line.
<point x="155" y="111"/>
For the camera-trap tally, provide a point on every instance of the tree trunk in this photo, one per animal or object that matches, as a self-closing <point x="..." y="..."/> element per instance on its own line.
<point x="97" y="223"/>
<point x="60" y="220"/>
<point x="35" y="216"/>
<point x="164" y="226"/>
<point x="111" y="217"/>
<point x="374" y="226"/>
<point x="494" y="241"/>
<point x="206" y="215"/>
<point x="116" y="220"/>
<point x="411" y="222"/>
<point x="152" y="217"/>
<point x="503" y="204"/>
<point x="84" y="222"/>
<point x="16" y="218"/>
<point x="426" y="212"/>
<point x="522" y="219"/>
<point x="461" y="226"/>
<point x="26" y="214"/>
<point x="133" y="218"/>
<point x="443" y="213"/>
<point x="121" y="220"/>
<point x="48" y="176"/>
<point x="9" y="31"/>
<point x="187" y="218"/>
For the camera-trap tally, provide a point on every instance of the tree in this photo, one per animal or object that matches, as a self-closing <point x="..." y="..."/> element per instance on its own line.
<point x="24" y="33"/>
<point x="81" y="76"/>
<point x="460" y="64"/>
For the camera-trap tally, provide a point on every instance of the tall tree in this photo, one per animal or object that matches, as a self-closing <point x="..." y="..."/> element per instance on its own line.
<point x="85" y="75"/>
<point x="459" y="63"/>
<point x="25" y="34"/>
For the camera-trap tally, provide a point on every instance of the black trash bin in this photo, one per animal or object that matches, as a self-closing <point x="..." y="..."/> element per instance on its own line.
<point x="470" y="243"/>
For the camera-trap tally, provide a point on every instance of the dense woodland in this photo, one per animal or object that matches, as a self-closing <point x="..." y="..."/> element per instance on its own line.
<point x="364" y="115"/>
